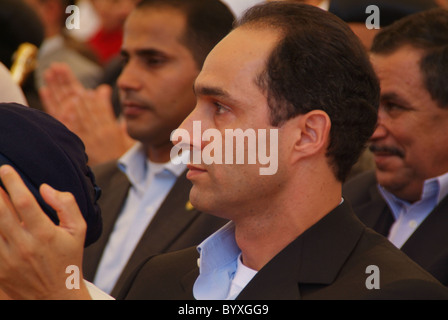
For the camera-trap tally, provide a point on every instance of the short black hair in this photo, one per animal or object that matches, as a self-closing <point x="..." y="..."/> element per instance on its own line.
<point x="427" y="31"/>
<point x="208" y="21"/>
<point x="319" y="64"/>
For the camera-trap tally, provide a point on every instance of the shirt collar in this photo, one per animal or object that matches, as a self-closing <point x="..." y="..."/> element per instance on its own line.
<point x="217" y="264"/>
<point x="134" y="164"/>
<point x="434" y="189"/>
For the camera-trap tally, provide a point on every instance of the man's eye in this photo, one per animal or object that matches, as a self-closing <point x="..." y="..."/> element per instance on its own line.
<point x="220" y="109"/>
<point x="154" y="61"/>
<point x="391" y="106"/>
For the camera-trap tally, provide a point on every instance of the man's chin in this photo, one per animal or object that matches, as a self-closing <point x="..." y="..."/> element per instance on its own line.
<point x="391" y="180"/>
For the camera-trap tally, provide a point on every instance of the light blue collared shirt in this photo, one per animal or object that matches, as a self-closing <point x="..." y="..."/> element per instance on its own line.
<point x="408" y="216"/>
<point x="219" y="263"/>
<point x="222" y="275"/>
<point x="150" y="184"/>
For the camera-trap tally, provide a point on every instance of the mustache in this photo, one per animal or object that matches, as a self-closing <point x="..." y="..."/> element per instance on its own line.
<point x="386" y="149"/>
<point x="134" y="98"/>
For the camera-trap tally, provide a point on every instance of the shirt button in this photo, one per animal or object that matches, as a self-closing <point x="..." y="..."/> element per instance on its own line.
<point x="149" y="209"/>
<point x="413" y="224"/>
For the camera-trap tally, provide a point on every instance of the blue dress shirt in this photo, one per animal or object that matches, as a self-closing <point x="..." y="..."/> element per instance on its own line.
<point x="150" y="184"/>
<point x="218" y="263"/>
<point x="408" y="216"/>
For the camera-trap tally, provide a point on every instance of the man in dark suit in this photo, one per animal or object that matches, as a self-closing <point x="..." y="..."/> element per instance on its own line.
<point x="144" y="196"/>
<point x="406" y="198"/>
<point x="291" y="235"/>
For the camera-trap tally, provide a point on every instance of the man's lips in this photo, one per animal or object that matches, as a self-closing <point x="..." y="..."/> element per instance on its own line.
<point x="133" y="108"/>
<point x="194" y="171"/>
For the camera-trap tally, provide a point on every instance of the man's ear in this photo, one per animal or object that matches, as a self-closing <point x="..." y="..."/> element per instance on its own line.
<point x="314" y="128"/>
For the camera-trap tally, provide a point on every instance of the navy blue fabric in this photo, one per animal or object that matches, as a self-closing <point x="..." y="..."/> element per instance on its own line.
<point x="43" y="150"/>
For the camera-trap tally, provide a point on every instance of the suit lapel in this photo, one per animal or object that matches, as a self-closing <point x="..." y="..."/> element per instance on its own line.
<point x="170" y="220"/>
<point x="116" y="192"/>
<point x="315" y="257"/>
<point x="375" y="213"/>
<point x="187" y="281"/>
<point x="172" y="217"/>
<point x="428" y="244"/>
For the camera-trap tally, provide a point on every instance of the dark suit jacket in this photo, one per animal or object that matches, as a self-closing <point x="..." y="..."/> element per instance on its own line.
<point x="172" y="228"/>
<point x="328" y="261"/>
<point x="428" y="245"/>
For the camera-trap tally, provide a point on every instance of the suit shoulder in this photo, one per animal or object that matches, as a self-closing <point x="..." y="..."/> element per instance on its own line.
<point x="357" y="189"/>
<point x="160" y="277"/>
<point x="105" y="172"/>
<point x="399" y="276"/>
<point x="105" y="168"/>
<point x="410" y="289"/>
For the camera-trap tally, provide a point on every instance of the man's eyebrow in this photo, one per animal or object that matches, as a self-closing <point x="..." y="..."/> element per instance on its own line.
<point x="142" y="52"/>
<point x="210" y="91"/>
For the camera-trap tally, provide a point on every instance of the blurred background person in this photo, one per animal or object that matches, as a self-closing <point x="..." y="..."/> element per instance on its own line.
<point x="406" y="197"/>
<point x="59" y="46"/>
<point x="106" y="40"/>
<point x="21" y="36"/>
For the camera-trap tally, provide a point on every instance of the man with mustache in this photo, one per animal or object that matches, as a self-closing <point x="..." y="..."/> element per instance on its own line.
<point x="291" y="234"/>
<point x="406" y="197"/>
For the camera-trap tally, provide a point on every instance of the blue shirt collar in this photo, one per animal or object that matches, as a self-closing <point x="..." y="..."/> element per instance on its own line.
<point x="217" y="264"/>
<point x="434" y="190"/>
<point x="134" y="164"/>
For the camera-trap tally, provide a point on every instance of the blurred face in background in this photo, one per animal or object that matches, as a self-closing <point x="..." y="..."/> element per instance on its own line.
<point x="410" y="141"/>
<point x="156" y="84"/>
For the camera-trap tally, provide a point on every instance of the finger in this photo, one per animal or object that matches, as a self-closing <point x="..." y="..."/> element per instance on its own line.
<point x="67" y="80"/>
<point x="104" y="112"/>
<point x="52" y="85"/>
<point x="23" y="201"/>
<point x="9" y="223"/>
<point x="64" y="203"/>
<point x="8" y="204"/>
<point x="61" y="82"/>
<point x="48" y="101"/>
<point x="82" y="109"/>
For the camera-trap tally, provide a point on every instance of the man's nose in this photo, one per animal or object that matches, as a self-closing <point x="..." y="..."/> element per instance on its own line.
<point x="130" y="78"/>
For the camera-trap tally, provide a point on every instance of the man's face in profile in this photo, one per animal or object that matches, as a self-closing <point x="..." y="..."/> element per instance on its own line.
<point x="229" y="98"/>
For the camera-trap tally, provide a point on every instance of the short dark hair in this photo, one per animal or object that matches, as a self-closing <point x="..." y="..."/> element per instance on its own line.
<point x="319" y="64"/>
<point x="208" y="21"/>
<point x="428" y="31"/>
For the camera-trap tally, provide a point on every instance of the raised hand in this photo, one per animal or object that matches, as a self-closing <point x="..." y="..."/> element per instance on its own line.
<point x="86" y="112"/>
<point x="34" y="252"/>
